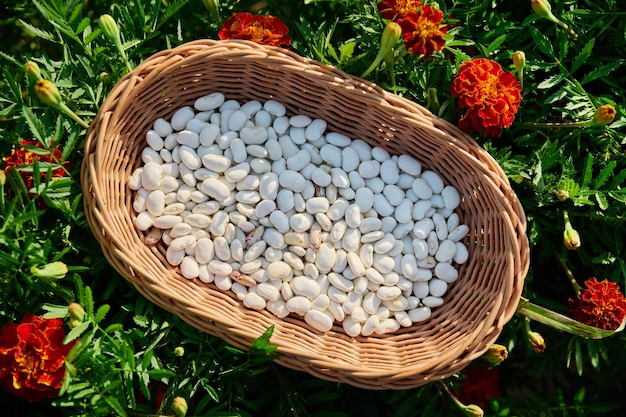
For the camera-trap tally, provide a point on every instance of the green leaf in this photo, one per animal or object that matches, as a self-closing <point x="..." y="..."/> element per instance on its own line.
<point x="76" y="332"/>
<point x="496" y="43"/>
<point x="604" y="174"/>
<point x="587" y="170"/>
<point x="542" y="41"/>
<point x="115" y="405"/>
<point x="262" y="343"/>
<point x="346" y="51"/>
<point x="582" y="57"/>
<point x="36" y="126"/>
<point x="602" y="203"/>
<point x="578" y="358"/>
<point x="101" y="313"/>
<point x="551" y="81"/>
<point x="161" y="373"/>
<point x="39" y="32"/>
<point x="601" y="72"/>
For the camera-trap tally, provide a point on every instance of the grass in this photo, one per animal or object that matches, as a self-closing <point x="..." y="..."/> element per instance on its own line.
<point x="129" y="346"/>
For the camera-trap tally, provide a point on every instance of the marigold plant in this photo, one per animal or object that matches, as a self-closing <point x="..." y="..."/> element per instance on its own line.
<point x="32" y="357"/>
<point x="488" y="96"/>
<point x="264" y="30"/>
<point x="601" y="304"/>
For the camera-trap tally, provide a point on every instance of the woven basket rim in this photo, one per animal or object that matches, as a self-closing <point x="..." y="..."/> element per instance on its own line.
<point x="104" y="175"/>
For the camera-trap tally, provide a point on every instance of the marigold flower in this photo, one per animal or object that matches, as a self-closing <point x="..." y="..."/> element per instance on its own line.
<point x="600" y="305"/>
<point x="32" y="357"/>
<point x="22" y="159"/>
<point x="422" y="31"/>
<point x="489" y="95"/>
<point x="264" y="30"/>
<point x="396" y="9"/>
<point x="604" y="115"/>
<point x="480" y="384"/>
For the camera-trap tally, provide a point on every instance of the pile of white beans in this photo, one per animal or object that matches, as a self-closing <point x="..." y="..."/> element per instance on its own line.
<point x="294" y="219"/>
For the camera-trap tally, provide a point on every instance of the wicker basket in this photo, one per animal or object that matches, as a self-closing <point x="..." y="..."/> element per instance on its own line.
<point x="477" y="305"/>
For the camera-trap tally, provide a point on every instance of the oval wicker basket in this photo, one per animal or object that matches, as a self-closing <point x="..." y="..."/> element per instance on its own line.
<point x="477" y="305"/>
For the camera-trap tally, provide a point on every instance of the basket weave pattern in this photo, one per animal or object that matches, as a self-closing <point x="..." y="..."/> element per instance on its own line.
<point x="476" y="306"/>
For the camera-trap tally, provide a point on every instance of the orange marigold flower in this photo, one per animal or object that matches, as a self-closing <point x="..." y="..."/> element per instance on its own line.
<point x="422" y="31"/>
<point x="32" y="357"/>
<point x="22" y="159"/>
<point x="396" y="9"/>
<point x="489" y="95"/>
<point x="264" y="30"/>
<point x="600" y="305"/>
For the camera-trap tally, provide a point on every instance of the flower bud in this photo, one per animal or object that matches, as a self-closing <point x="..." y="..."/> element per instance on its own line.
<point x="3" y="178"/>
<point x="32" y="70"/>
<point x="495" y="354"/>
<point x="213" y="6"/>
<point x="519" y="59"/>
<point x="571" y="239"/>
<point x="473" y="410"/>
<point x="54" y="270"/>
<point x="179" y="351"/>
<point x="543" y="8"/>
<point x="179" y="406"/>
<point x="562" y="195"/>
<point x="390" y="36"/>
<point x="604" y="115"/>
<point x="76" y="312"/>
<point x="48" y="93"/>
<point x="536" y="342"/>
<point x="109" y="27"/>
<point x="105" y="77"/>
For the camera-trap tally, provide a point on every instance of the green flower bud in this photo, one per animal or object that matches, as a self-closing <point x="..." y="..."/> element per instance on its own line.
<point x="54" y="270"/>
<point x="109" y="27"/>
<point x="32" y="70"/>
<point x="213" y="6"/>
<point x="390" y="36"/>
<point x="543" y="8"/>
<point x="3" y="178"/>
<point x="48" y="93"/>
<point x="536" y="342"/>
<point x="562" y="195"/>
<point x="105" y="77"/>
<point x="495" y="354"/>
<point x="179" y="406"/>
<point x="76" y="312"/>
<point x="179" y="351"/>
<point x="571" y="238"/>
<point x="519" y="59"/>
<point x="473" y="410"/>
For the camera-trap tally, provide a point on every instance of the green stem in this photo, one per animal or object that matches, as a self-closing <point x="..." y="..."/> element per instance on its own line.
<point x="118" y="45"/>
<point x="569" y="274"/>
<point x="62" y="107"/>
<point x="561" y="322"/>
<point x="586" y="123"/>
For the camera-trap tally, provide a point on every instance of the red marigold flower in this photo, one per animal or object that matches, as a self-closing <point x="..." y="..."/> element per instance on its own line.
<point x="600" y="305"/>
<point x="422" y="31"/>
<point x="481" y="383"/>
<point x="22" y="159"/>
<point x="396" y="9"/>
<point x="490" y="95"/>
<point x="32" y="357"/>
<point x="264" y="30"/>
